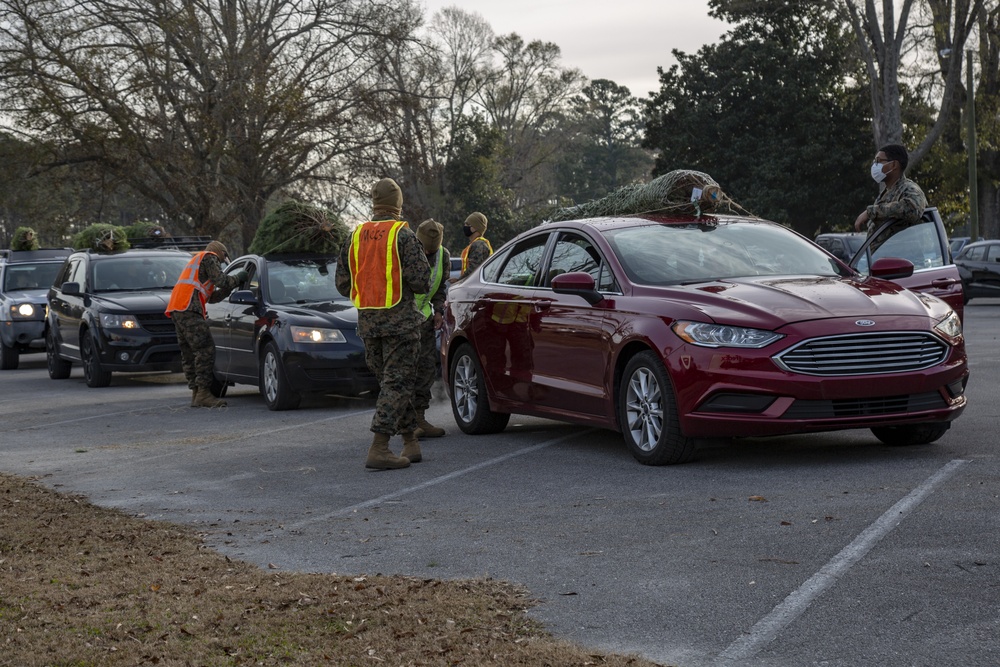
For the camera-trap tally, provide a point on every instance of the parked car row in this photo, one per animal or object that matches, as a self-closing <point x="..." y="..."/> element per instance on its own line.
<point x="667" y="329"/>
<point x="286" y="330"/>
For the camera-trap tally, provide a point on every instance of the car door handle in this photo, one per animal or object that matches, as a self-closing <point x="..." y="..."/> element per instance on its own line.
<point x="943" y="282"/>
<point x="228" y="317"/>
<point x="542" y="305"/>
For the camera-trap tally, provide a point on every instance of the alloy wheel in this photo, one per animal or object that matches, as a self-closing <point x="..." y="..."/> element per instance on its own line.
<point x="644" y="409"/>
<point x="466" y="389"/>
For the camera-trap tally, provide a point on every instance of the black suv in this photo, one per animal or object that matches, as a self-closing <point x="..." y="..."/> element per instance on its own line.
<point x="106" y="312"/>
<point x="25" y="276"/>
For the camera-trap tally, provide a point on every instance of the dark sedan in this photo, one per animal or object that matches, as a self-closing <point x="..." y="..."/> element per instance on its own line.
<point x="979" y="266"/>
<point x="288" y="331"/>
<point x="673" y="329"/>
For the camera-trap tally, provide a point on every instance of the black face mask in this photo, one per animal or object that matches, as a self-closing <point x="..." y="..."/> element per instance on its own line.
<point x="467" y="230"/>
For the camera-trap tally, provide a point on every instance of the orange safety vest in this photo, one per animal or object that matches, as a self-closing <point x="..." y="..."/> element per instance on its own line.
<point x="465" y="253"/>
<point x="376" y="274"/>
<point x="188" y="284"/>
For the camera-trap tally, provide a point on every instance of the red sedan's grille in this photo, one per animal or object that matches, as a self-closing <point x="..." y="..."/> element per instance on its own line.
<point x="864" y="354"/>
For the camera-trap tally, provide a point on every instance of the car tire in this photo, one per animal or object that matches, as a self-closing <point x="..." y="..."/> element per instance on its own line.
<point x="647" y="413"/>
<point x="469" y="401"/>
<point x="59" y="368"/>
<point x="911" y="434"/>
<point x="10" y="357"/>
<point x="273" y="383"/>
<point x="93" y="372"/>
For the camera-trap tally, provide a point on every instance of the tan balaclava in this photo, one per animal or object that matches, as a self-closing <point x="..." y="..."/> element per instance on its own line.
<point x="217" y="248"/>
<point x="387" y="199"/>
<point x="429" y="234"/>
<point x="477" y="221"/>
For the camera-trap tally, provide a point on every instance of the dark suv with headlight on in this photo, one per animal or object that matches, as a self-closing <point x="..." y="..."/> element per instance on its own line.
<point x="106" y="312"/>
<point x="25" y="276"/>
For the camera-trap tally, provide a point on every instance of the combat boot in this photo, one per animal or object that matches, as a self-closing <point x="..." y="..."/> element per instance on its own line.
<point x="380" y="458"/>
<point x="203" y="399"/>
<point x="411" y="447"/>
<point x="425" y="429"/>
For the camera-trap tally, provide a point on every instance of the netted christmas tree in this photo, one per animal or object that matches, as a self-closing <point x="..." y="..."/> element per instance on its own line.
<point x="25" y="238"/>
<point x="144" y="229"/>
<point x="679" y="191"/>
<point x="102" y="237"/>
<point x="297" y="227"/>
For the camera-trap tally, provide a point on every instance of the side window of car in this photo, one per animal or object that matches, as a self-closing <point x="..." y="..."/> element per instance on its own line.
<point x="78" y="274"/>
<point x="576" y="253"/>
<point x="521" y="268"/>
<point x="918" y="243"/>
<point x="491" y="269"/>
<point x="976" y="253"/>
<point x="993" y="253"/>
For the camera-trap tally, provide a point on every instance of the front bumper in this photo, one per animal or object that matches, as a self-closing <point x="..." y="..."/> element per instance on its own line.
<point x="341" y="371"/>
<point x="23" y="335"/>
<point x="139" y="351"/>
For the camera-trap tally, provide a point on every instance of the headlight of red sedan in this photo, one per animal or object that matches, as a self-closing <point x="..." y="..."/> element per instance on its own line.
<point x="950" y="328"/>
<point x="720" y="335"/>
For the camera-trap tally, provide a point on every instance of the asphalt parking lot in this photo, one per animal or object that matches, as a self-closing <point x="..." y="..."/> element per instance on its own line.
<point x="827" y="549"/>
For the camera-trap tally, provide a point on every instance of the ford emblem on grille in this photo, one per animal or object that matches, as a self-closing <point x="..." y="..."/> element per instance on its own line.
<point x="865" y="323"/>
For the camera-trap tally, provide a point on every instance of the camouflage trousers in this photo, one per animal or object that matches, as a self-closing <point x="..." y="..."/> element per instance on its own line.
<point x="393" y="360"/>
<point x="197" y="348"/>
<point x="427" y="365"/>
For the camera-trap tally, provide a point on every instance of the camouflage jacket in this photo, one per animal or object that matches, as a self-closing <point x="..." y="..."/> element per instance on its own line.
<point x="904" y="202"/>
<point x="479" y="252"/>
<point x="211" y="270"/>
<point x="437" y="299"/>
<point x="416" y="273"/>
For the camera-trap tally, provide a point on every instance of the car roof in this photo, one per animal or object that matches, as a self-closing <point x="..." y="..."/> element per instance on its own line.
<point x="42" y="254"/>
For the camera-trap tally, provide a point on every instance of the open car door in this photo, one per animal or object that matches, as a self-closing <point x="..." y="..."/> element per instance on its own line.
<point x="925" y="244"/>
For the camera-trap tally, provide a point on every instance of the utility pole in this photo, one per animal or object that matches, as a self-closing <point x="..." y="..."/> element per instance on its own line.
<point x="970" y="115"/>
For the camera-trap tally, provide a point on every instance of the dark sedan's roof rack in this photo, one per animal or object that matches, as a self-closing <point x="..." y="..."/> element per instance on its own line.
<point x="166" y="242"/>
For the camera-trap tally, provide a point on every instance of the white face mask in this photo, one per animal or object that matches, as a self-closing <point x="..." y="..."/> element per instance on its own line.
<point x="877" y="172"/>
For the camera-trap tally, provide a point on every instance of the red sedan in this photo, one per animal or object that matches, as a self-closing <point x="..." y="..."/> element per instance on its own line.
<point x="674" y="329"/>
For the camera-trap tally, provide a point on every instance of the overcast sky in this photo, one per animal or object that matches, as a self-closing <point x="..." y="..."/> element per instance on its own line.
<point x="621" y="40"/>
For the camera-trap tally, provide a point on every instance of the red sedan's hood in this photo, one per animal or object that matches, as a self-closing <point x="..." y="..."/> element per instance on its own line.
<point x="772" y="302"/>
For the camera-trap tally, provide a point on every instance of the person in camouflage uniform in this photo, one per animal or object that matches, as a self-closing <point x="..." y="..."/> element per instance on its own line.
<point x="431" y="306"/>
<point x="187" y="310"/>
<point x="479" y="249"/>
<point x="901" y="200"/>
<point x="391" y="334"/>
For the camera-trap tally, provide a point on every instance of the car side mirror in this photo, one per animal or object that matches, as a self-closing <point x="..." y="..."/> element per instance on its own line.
<point x="244" y="296"/>
<point x="72" y="289"/>
<point x="579" y="284"/>
<point x="892" y="268"/>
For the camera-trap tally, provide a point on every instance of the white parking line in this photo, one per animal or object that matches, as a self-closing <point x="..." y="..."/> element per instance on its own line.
<point x="431" y="482"/>
<point x="795" y="604"/>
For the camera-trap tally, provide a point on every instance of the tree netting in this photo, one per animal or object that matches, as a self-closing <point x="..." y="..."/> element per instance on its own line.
<point x="297" y="227"/>
<point x="679" y="191"/>
<point x="102" y="237"/>
<point x="25" y="238"/>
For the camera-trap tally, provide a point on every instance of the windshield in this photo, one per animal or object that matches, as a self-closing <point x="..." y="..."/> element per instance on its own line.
<point x="137" y="273"/>
<point x="677" y="254"/>
<point x="21" y="277"/>
<point x="302" y="280"/>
